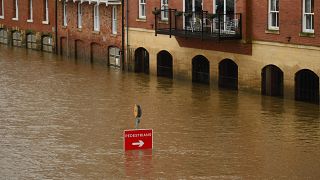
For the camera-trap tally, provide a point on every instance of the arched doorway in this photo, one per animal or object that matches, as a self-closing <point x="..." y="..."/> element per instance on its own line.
<point x="79" y="52"/>
<point x="164" y="64"/>
<point x="200" y="70"/>
<point x="307" y="86"/>
<point x="141" y="56"/>
<point x="272" y="81"/>
<point x="228" y="74"/>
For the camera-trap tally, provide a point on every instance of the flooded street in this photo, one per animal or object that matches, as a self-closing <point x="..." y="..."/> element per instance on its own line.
<point x="64" y="120"/>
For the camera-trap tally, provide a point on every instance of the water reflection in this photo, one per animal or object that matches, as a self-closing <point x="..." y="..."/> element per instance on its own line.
<point x="61" y="120"/>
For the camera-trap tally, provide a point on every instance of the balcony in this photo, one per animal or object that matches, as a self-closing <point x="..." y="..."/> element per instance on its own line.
<point x="198" y="24"/>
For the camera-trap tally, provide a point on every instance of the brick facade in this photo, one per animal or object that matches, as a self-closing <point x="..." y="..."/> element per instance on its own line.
<point x="24" y="26"/>
<point x="84" y="43"/>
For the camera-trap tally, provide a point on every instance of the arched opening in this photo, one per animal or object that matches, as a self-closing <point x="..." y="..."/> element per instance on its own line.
<point x="272" y="81"/>
<point x="63" y="46"/>
<point x="3" y="36"/>
<point x="79" y="52"/>
<point x="114" y="57"/>
<point x="31" y="41"/>
<point x="95" y="54"/>
<point x="16" y="39"/>
<point x="200" y="69"/>
<point x="141" y="56"/>
<point x="164" y="64"/>
<point x="307" y="86"/>
<point x="228" y="74"/>
<point x="47" y="44"/>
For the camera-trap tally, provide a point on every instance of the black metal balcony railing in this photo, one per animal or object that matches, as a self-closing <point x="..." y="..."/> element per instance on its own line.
<point x="198" y="24"/>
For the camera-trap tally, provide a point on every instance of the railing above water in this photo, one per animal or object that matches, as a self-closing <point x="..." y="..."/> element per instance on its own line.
<point x="198" y="24"/>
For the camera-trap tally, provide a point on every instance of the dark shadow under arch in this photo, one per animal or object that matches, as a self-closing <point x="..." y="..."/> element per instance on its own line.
<point x="200" y="70"/>
<point x="164" y="64"/>
<point x="307" y="86"/>
<point x="272" y="81"/>
<point x="228" y="74"/>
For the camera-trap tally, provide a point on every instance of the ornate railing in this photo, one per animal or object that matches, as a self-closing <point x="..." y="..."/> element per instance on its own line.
<point x="198" y="24"/>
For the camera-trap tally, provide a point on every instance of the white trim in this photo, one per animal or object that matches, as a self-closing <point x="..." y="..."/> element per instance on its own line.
<point x="79" y="15"/>
<point x="304" y="17"/>
<point x="142" y="9"/>
<point x="16" y="18"/>
<point x="96" y="18"/>
<point x="46" y="6"/>
<point x="164" y="10"/>
<point x="2" y="10"/>
<point x="270" y="12"/>
<point x="30" y="11"/>
<point x="114" y="19"/>
<point x="65" y="14"/>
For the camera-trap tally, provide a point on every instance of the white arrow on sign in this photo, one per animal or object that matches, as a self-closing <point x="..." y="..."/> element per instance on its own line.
<point x="140" y="143"/>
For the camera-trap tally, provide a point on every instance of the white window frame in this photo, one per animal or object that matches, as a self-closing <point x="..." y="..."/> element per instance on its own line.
<point x="46" y="6"/>
<point x="271" y="12"/>
<point x="164" y="10"/>
<point x="79" y="13"/>
<point x="2" y="9"/>
<point x="65" y="15"/>
<point x="114" y="19"/>
<point x="96" y="18"/>
<point x="16" y="18"/>
<point x="305" y="14"/>
<point x="30" y="11"/>
<point x="142" y="9"/>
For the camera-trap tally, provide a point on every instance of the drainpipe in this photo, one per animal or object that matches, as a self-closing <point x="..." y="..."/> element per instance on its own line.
<point x="56" y="26"/>
<point x="123" y="33"/>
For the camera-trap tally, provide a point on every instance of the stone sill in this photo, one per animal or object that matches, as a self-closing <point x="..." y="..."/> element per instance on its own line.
<point x="163" y="22"/>
<point x="306" y="34"/>
<point x="64" y="27"/>
<point x="30" y="20"/>
<point x="1" y="17"/>
<point x="45" y="22"/>
<point x="15" y="19"/>
<point x="79" y="29"/>
<point x="271" y="31"/>
<point x="96" y="32"/>
<point x="141" y="20"/>
<point x="113" y="35"/>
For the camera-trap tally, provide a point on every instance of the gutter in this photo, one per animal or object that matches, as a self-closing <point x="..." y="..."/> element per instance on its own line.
<point x="123" y="35"/>
<point x="56" y="26"/>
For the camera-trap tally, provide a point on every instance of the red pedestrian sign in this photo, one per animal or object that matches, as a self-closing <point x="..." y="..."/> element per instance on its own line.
<point x="136" y="139"/>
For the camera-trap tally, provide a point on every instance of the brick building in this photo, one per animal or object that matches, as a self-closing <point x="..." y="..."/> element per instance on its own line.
<point x="28" y="23"/>
<point x="268" y="46"/>
<point x="90" y="31"/>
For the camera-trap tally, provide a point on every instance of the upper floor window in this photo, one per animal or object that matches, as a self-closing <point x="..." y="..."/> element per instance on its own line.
<point x="164" y="10"/>
<point x="65" y="18"/>
<point x="308" y="16"/>
<point x="15" y="10"/>
<point x="79" y="14"/>
<point x="114" y="20"/>
<point x="30" y="12"/>
<point x="1" y="9"/>
<point x="273" y="23"/>
<point x="96" y="18"/>
<point x="45" y="12"/>
<point x="142" y="9"/>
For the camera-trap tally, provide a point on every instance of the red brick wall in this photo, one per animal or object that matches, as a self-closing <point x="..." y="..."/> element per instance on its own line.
<point x="86" y="37"/>
<point x="22" y="23"/>
<point x="290" y="22"/>
<point x="241" y="47"/>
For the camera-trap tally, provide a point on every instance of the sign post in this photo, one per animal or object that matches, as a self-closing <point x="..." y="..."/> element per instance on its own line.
<point x="137" y="139"/>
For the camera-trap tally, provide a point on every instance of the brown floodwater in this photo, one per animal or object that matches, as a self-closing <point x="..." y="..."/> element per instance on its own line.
<point x="64" y="120"/>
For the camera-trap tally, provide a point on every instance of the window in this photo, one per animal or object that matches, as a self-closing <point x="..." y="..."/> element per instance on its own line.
<point x="45" y="12"/>
<point x="3" y="36"/>
<point x="15" y="10"/>
<point x="31" y="41"/>
<point x="65" y="18"/>
<point x="30" y="13"/>
<point x="79" y="15"/>
<point x="1" y="9"/>
<point x="142" y="9"/>
<point x="96" y="20"/>
<point x="47" y="43"/>
<point x="308" y="16"/>
<point x="273" y="15"/>
<point x="114" y="20"/>
<point x="164" y="10"/>
<point x="114" y="56"/>
<point x="16" y="39"/>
